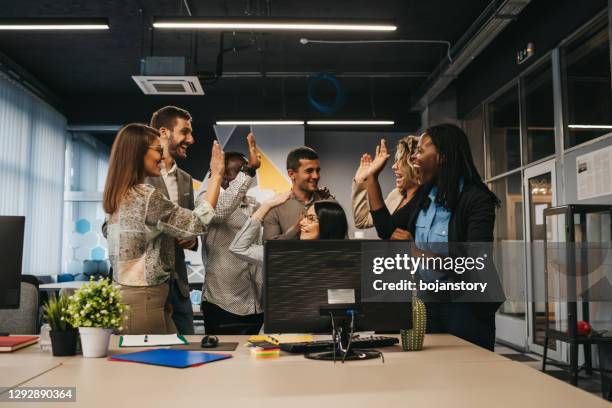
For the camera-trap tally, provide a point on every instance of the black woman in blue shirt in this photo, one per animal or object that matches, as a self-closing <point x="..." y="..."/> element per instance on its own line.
<point x="453" y="208"/>
<point x="459" y="209"/>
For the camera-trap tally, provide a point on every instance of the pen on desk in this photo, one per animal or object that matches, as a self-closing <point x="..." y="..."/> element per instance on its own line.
<point x="146" y="339"/>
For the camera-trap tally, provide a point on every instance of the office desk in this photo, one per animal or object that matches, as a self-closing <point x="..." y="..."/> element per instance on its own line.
<point x="62" y="285"/>
<point x="67" y="287"/>
<point x="12" y="375"/>
<point x="449" y="372"/>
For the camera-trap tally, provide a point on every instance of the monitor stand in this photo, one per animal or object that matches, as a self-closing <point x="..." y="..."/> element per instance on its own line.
<point x="342" y="350"/>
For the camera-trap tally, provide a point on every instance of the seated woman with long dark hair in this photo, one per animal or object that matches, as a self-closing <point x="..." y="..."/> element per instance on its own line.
<point x="325" y="219"/>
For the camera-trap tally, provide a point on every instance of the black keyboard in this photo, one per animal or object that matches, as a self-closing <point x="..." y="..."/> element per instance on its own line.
<point x="323" y="345"/>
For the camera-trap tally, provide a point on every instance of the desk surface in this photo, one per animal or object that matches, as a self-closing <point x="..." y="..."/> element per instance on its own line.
<point x="448" y="372"/>
<point x="62" y="285"/>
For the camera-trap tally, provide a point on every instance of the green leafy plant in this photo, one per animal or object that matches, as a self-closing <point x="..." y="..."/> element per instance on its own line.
<point x="55" y="313"/>
<point x="96" y="304"/>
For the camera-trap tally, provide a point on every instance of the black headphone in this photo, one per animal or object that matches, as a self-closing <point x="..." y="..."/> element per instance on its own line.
<point x="209" y="341"/>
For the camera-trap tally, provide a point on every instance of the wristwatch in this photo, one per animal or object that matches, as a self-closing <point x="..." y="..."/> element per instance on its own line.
<point x="248" y="170"/>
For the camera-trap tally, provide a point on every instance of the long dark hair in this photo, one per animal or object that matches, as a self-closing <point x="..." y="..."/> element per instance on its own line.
<point x="457" y="163"/>
<point x="126" y="163"/>
<point x="332" y="220"/>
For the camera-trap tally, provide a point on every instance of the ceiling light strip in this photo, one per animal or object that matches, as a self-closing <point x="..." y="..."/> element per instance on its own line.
<point x="259" y="122"/>
<point x="589" y="126"/>
<point x="270" y="24"/>
<point x="5" y="27"/>
<point x="351" y="122"/>
<point x="53" y="24"/>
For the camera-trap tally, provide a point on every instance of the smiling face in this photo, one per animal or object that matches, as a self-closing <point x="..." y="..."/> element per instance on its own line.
<point x="426" y="160"/>
<point x="402" y="177"/>
<point x="153" y="158"/>
<point x="232" y="169"/>
<point x="309" y="226"/>
<point x="178" y="140"/>
<point x="307" y="176"/>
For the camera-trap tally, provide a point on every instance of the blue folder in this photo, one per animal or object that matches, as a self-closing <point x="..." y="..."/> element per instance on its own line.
<point x="170" y="357"/>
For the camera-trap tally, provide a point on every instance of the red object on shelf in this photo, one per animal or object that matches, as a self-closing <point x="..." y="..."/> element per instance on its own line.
<point x="583" y="328"/>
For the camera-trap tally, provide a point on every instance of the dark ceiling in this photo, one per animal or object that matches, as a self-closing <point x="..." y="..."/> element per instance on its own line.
<point x="90" y="72"/>
<point x="82" y="66"/>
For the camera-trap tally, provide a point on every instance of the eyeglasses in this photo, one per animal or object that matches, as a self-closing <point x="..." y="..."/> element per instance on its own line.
<point x="311" y="219"/>
<point x="159" y="149"/>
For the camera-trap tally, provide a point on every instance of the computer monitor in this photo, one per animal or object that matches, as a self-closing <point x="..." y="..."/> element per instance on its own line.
<point x="11" y="254"/>
<point x="303" y="277"/>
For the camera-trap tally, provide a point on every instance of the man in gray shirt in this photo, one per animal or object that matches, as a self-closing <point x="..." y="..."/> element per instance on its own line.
<point x="304" y="170"/>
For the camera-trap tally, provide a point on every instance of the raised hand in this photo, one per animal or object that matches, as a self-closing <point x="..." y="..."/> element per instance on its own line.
<point x="254" y="156"/>
<point x="275" y="201"/>
<point x="364" y="168"/>
<point x="382" y="155"/>
<point x="325" y="194"/>
<point x="217" y="160"/>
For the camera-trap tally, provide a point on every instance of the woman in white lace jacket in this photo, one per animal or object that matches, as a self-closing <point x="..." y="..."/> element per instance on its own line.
<point x="142" y="225"/>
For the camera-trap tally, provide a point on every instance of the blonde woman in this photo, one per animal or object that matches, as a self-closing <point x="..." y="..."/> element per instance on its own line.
<point x="142" y="225"/>
<point x="387" y="217"/>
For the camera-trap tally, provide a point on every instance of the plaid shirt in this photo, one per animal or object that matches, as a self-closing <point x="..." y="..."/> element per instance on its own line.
<point x="231" y="283"/>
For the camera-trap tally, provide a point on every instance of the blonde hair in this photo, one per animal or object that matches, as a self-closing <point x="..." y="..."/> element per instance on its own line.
<point x="406" y="147"/>
<point x="126" y="163"/>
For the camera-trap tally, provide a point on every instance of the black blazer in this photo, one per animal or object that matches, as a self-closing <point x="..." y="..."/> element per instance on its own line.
<point x="472" y="221"/>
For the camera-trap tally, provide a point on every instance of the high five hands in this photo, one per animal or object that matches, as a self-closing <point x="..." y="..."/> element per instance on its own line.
<point x="380" y="159"/>
<point x="364" y="168"/>
<point x="254" y="156"/>
<point x="217" y="161"/>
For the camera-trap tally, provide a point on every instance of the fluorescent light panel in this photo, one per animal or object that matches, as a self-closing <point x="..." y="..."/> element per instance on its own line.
<point x="589" y="126"/>
<point x="350" y="122"/>
<point x="53" y="24"/>
<point x="277" y="24"/>
<point x="259" y="122"/>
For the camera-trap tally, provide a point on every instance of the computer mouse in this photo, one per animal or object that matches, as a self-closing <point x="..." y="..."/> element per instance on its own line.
<point x="210" y="341"/>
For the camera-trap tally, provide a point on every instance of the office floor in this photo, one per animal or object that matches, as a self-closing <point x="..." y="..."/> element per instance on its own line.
<point x="591" y="384"/>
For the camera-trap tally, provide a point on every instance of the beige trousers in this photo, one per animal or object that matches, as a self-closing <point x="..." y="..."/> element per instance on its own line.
<point x="149" y="311"/>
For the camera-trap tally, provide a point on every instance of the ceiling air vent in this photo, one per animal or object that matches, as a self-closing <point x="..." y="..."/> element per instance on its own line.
<point x="169" y="85"/>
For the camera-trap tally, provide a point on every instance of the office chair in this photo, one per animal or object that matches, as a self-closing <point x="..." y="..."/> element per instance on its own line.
<point x="25" y="319"/>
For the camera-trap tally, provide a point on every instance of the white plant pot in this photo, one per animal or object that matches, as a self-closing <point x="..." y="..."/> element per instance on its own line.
<point x="94" y="341"/>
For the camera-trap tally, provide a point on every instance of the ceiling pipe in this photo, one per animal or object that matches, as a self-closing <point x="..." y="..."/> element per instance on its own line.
<point x="493" y="20"/>
<point x="298" y="74"/>
<point x="305" y="41"/>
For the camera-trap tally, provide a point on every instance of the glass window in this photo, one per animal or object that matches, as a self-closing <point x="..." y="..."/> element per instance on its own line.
<point x="84" y="249"/>
<point x="540" y="119"/>
<point x="509" y="256"/>
<point x="586" y="76"/>
<point x="473" y="126"/>
<point x="504" y="137"/>
<point x="86" y="163"/>
<point x="84" y="246"/>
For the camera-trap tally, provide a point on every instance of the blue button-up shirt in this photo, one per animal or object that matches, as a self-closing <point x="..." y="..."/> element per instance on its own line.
<point x="431" y="233"/>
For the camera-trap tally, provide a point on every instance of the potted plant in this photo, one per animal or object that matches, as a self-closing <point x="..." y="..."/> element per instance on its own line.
<point x="96" y="309"/>
<point x="63" y="335"/>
